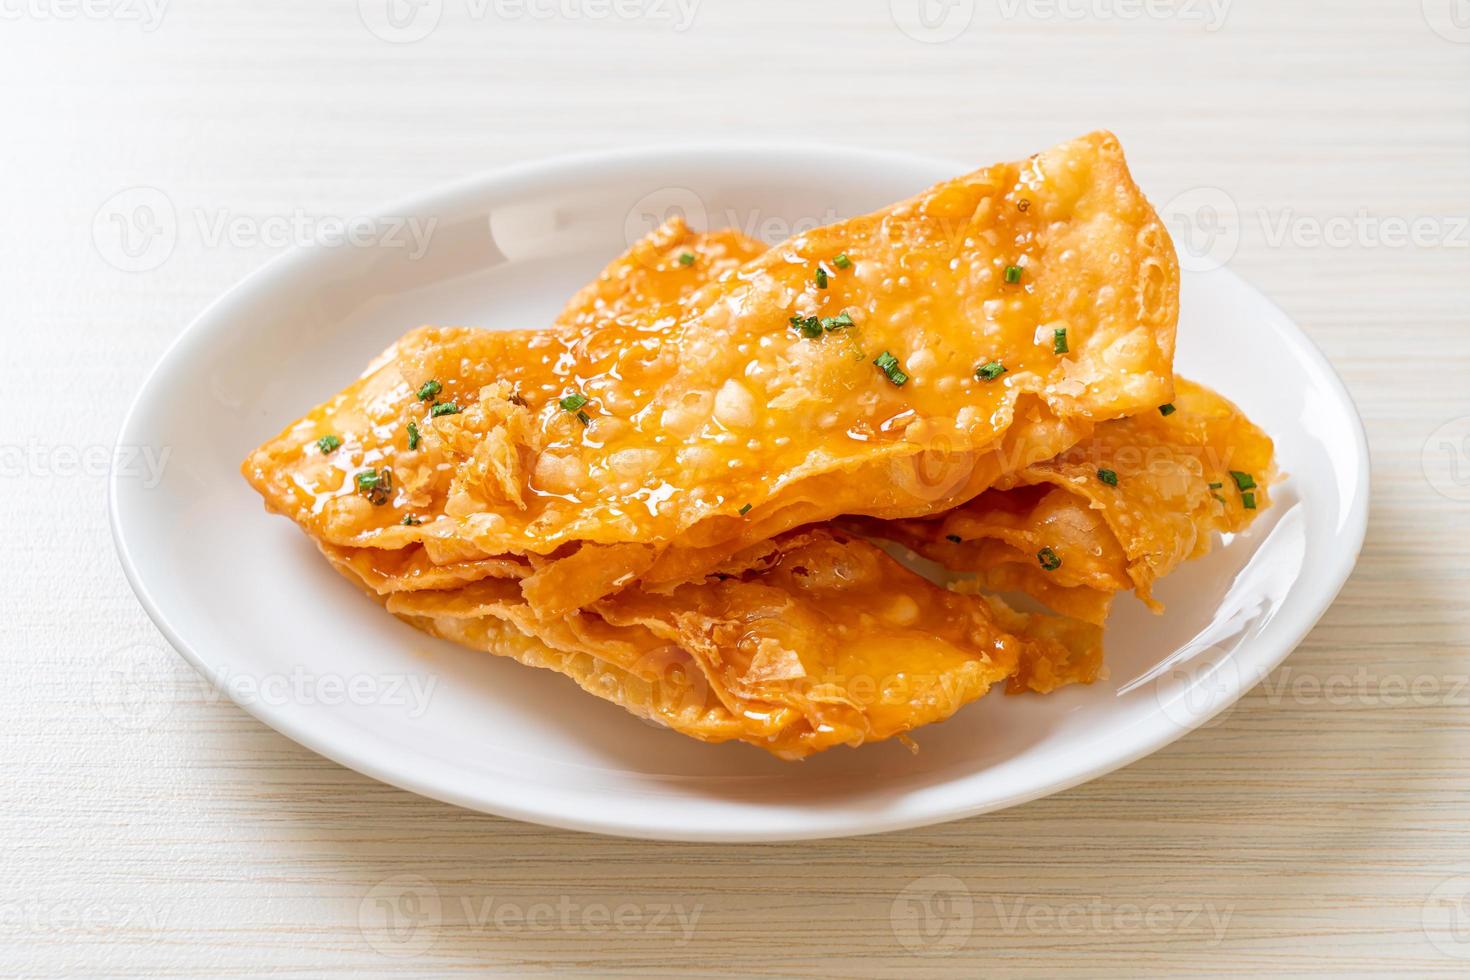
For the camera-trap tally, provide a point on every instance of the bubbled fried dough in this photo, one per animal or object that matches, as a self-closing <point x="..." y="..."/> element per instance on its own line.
<point x="714" y="423"/>
<point x="664" y="268"/>
<point x="831" y="643"/>
<point x="1118" y="511"/>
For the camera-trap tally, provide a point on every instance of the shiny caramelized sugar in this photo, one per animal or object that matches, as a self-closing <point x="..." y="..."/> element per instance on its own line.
<point x="638" y="498"/>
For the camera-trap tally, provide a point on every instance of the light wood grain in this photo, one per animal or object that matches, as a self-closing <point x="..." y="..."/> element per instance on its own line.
<point x="1299" y="834"/>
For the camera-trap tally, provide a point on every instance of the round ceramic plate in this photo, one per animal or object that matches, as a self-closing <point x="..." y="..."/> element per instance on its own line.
<point x="247" y="599"/>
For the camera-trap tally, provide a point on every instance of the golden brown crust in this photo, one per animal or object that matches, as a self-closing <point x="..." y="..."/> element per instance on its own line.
<point x="704" y="406"/>
<point x="1176" y="488"/>
<point x="832" y="643"/>
<point x="638" y="536"/>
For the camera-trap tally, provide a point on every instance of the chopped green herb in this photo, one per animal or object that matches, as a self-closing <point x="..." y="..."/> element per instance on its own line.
<point x="955" y="538"/>
<point x="809" y="326"/>
<point x="990" y="371"/>
<point x="376" y="484"/>
<point x="842" y="261"/>
<point x="429" y="390"/>
<point x="410" y="521"/>
<point x="1216" y="486"/>
<point x="1218" y="497"/>
<point x="574" y="403"/>
<point x="1059" y="340"/>
<point x="889" y="365"/>
<point x="745" y="510"/>
<point x="1049" y="559"/>
<point x="1243" y="480"/>
<point x="413" y="435"/>
<point x="1167" y="410"/>
<point x="686" y="259"/>
<point x="328" y="444"/>
<point x="1013" y="274"/>
<point x="443" y="408"/>
<point x="812" y="327"/>
<point x="1248" y="500"/>
<point x="821" y="278"/>
<point x="1110" y="477"/>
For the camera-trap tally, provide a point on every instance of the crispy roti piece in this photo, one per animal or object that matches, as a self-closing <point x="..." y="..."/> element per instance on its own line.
<point x="664" y="268"/>
<point x="1116" y="512"/>
<point x="651" y="675"/>
<point x="679" y="435"/>
<point x="831" y="642"/>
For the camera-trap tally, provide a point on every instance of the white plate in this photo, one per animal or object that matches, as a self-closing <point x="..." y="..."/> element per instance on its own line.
<point x="245" y="597"/>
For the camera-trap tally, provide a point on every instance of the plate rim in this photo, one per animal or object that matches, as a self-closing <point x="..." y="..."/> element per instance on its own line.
<point x="1337" y="570"/>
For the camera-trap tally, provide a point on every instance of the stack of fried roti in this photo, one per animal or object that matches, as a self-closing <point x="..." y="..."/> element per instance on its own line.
<point x="687" y="495"/>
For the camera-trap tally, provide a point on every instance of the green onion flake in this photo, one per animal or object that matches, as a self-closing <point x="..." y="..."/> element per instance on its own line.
<point x="1049" y="559"/>
<point x="842" y="261"/>
<point x="376" y="484"/>
<point x="1167" y="410"/>
<point x="429" y="390"/>
<point x="821" y="278"/>
<point x="1243" y="480"/>
<point x="990" y="371"/>
<point x="745" y="510"/>
<point x="813" y="327"/>
<point x="1110" y="477"/>
<point x="1013" y="274"/>
<point x="889" y="365"/>
<point x="443" y="408"/>
<point x="1248" y="500"/>
<point x="413" y="435"/>
<point x="809" y="326"/>
<point x="328" y="444"/>
<point x="686" y="259"/>
<point x="574" y="403"/>
<point x="1059" y="340"/>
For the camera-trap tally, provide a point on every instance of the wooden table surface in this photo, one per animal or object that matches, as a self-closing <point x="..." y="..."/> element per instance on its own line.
<point x="1323" y="826"/>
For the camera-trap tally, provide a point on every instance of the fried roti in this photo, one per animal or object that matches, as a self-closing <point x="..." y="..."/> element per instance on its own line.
<point x="827" y="642"/>
<point x="818" y="379"/>
<point x="1116" y="512"/>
